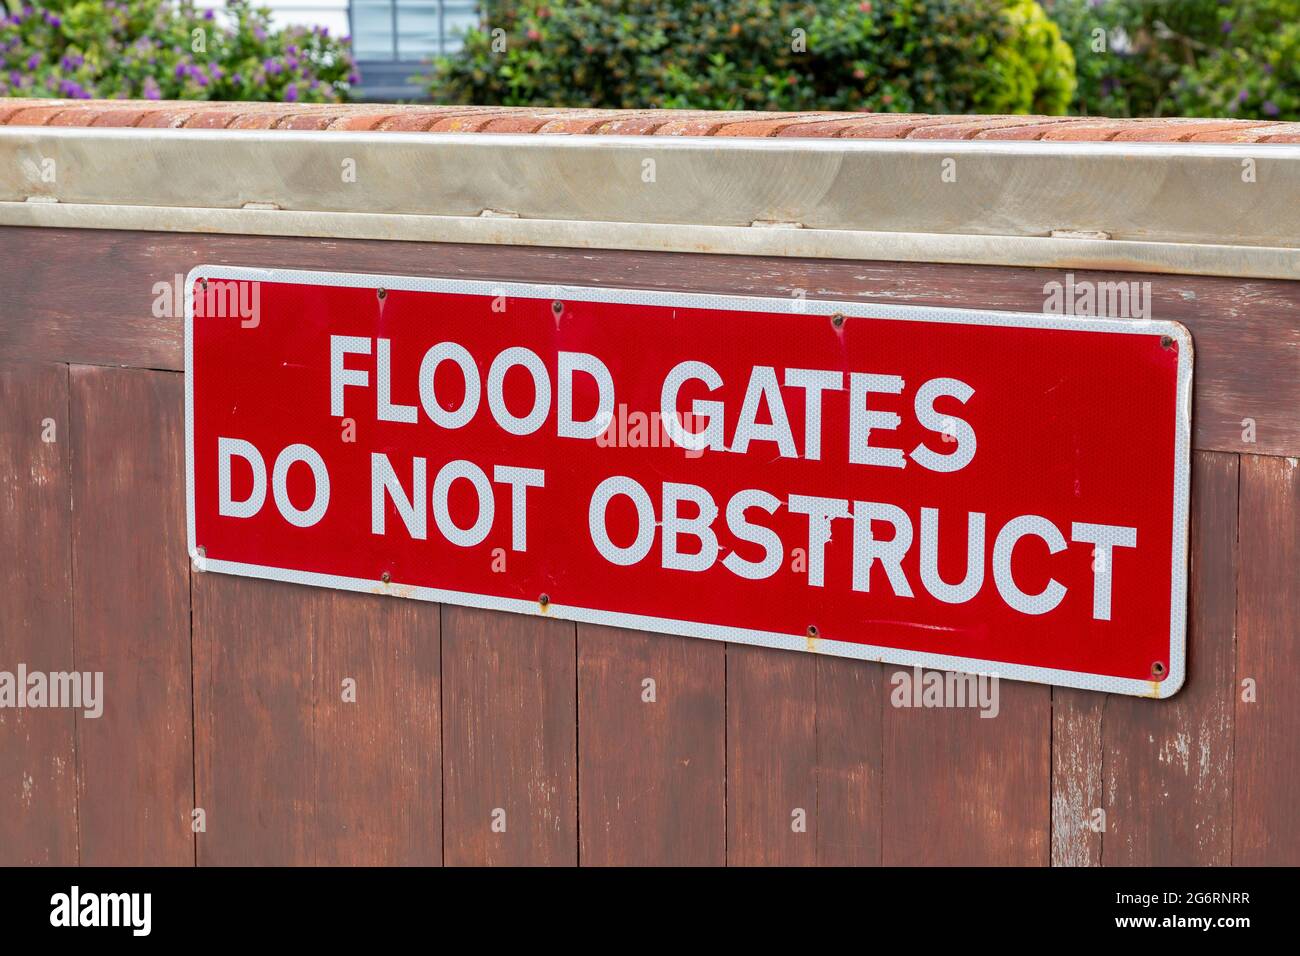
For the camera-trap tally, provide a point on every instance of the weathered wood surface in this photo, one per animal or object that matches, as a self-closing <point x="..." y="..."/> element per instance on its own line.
<point x="38" y="760"/>
<point x="651" y="749"/>
<point x="1149" y="783"/>
<point x="510" y="739"/>
<point x="1077" y="777"/>
<point x="1266" y="768"/>
<point x="291" y="772"/>
<point x="131" y="616"/>
<point x="772" y="814"/>
<point x="1247" y="332"/>
<point x="962" y="789"/>
<point x="1169" y="766"/>
<point x="460" y="713"/>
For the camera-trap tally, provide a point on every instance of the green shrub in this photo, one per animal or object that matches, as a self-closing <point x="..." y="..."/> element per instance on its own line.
<point x="163" y="49"/>
<point x="1255" y="73"/>
<point x="1233" y="58"/>
<point x="1035" y="67"/>
<point x="935" y="56"/>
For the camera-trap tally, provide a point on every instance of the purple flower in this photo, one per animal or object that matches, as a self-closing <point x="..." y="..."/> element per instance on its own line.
<point x="33" y="61"/>
<point x="291" y="93"/>
<point x="1226" y="26"/>
<point x="1242" y="96"/>
<point x="181" y="70"/>
<point x="151" y="90"/>
<point x="354" y="77"/>
<point x="237" y="79"/>
<point x="1271" y="108"/>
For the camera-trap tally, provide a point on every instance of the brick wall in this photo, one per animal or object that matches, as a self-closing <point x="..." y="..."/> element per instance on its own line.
<point x="476" y="119"/>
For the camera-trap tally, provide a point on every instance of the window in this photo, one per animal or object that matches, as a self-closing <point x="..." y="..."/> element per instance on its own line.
<point x="392" y="38"/>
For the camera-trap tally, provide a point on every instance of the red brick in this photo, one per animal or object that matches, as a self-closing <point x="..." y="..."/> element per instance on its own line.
<point x="76" y="116"/>
<point x="165" y="119"/>
<point x="896" y="125"/>
<point x="210" y="118"/>
<point x="304" y="121"/>
<point x="472" y="121"/>
<point x="1256" y="132"/>
<point x="359" y="121"/>
<point x="588" y="121"/>
<point x="1055" y="127"/>
<point x="773" y="125"/>
<point x="121" y="117"/>
<point x="1085" y="132"/>
<point x="1172" y="130"/>
<point x="409" y="119"/>
<point x="824" y="129"/>
<point x="35" y="116"/>
<point x="527" y="121"/>
<point x="320" y="116"/>
<point x="706" y="124"/>
<point x="259" y="119"/>
<point x="621" y="123"/>
<point x="983" y="124"/>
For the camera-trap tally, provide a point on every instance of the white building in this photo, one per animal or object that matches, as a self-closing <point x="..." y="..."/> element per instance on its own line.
<point x="392" y="40"/>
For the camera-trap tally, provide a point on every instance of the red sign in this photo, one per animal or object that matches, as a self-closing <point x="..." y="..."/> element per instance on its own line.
<point x="990" y="492"/>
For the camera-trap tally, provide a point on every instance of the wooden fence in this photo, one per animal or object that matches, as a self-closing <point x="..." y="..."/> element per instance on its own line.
<point x="223" y="692"/>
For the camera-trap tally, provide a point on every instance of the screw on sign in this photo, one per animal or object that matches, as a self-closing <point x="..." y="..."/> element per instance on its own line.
<point x="994" y="492"/>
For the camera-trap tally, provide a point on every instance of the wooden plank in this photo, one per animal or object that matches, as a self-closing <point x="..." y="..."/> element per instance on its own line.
<point x="379" y="769"/>
<point x="1247" y="332"/>
<point x="771" y="757"/>
<point x="1076" y="777"/>
<point x="850" y="777"/>
<point x="289" y="772"/>
<point x="1168" y="764"/>
<point x="651" y="757"/>
<point x="509" y="739"/>
<point x="253" y="719"/>
<point x="966" y="790"/>
<point x="131" y="611"/>
<point x="38" y="787"/>
<point x="1266" y="826"/>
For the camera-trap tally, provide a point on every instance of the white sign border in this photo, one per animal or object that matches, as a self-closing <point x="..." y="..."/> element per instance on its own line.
<point x="797" y="306"/>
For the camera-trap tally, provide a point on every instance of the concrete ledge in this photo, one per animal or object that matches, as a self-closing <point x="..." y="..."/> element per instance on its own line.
<point x="1025" y="191"/>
